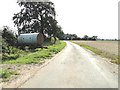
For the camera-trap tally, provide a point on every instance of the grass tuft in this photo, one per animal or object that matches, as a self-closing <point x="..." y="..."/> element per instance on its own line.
<point x="6" y="74"/>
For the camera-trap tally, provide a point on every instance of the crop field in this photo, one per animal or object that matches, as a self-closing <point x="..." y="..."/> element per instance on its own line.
<point x="109" y="48"/>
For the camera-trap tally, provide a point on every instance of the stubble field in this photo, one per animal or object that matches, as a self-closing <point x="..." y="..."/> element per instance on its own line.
<point x="108" y="49"/>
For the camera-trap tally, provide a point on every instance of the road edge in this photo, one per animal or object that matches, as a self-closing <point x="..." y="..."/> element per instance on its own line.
<point x="42" y="66"/>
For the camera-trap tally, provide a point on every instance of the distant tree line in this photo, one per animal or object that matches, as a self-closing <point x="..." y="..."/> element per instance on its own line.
<point x="109" y="39"/>
<point x="86" y="37"/>
<point x="75" y="37"/>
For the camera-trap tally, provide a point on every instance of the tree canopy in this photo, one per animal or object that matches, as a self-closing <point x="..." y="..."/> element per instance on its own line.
<point x="34" y="17"/>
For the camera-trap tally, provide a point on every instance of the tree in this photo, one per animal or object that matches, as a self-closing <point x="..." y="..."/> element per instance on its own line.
<point x="60" y="33"/>
<point x="70" y="36"/>
<point x="94" y="37"/>
<point x="56" y="30"/>
<point x="85" y="37"/>
<point x="34" y="17"/>
<point x="53" y="29"/>
<point x="74" y="36"/>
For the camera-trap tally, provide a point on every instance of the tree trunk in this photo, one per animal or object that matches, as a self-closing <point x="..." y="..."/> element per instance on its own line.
<point x="41" y="25"/>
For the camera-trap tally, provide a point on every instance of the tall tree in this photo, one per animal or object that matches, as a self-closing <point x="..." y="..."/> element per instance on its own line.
<point x="86" y="37"/>
<point x="34" y="16"/>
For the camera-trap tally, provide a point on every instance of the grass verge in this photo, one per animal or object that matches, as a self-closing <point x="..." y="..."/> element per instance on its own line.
<point x="6" y="74"/>
<point x="38" y="56"/>
<point x="114" y="58"/>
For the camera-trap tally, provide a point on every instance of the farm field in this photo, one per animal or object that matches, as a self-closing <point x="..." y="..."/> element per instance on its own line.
<point x="110" y="48"/>
<point x="107" y="46"/>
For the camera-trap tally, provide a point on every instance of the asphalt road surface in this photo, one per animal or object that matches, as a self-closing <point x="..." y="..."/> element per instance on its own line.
<point x="75" y="67"/>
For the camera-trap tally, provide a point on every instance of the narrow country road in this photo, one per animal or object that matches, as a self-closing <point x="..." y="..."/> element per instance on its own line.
<point x="75" y="67"/>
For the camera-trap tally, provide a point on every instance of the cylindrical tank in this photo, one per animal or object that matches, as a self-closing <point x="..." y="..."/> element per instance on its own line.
<point x="31" y="39"/>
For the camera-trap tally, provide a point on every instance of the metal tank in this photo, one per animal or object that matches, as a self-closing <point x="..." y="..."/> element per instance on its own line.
<point x="31" y="39"/>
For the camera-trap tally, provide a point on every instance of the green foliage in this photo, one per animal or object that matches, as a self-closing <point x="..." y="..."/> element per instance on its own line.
<point x="55" y="30"/>
<point x="115" y="61"/>
<point x="51" y="41"/>
<point x="70" y="36"/>
<point x="38" y="56"/>
<point x="85" y="37"/>
<point x="8" y="40"/>
<point x="10" y="57"/>
<point x="34" y="16"/>
<point x="4" y="46"/>
<point x="8" y="36"/>
<point x="47" y="42"/>
<point x="14" y="53"/>
<point x="58" y="47"/>
<point x="60" y="33"/>
<point x="6" y="74"/>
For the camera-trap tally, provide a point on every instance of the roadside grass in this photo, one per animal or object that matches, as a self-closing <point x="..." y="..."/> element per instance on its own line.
<point x="38" y="56"/>
<point x="114" y="58"/>
<point x="6" y="74"/>
<point x="17" y="53"/>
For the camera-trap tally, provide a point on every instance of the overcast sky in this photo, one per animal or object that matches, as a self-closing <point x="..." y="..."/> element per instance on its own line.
<point x="81" y="17"/>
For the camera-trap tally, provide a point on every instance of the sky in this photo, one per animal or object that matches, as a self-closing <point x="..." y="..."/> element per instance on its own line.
<point x="81" y="17"/>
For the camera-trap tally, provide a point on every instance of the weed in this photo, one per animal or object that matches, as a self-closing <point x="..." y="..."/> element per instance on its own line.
<point x="6" y="74"/>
